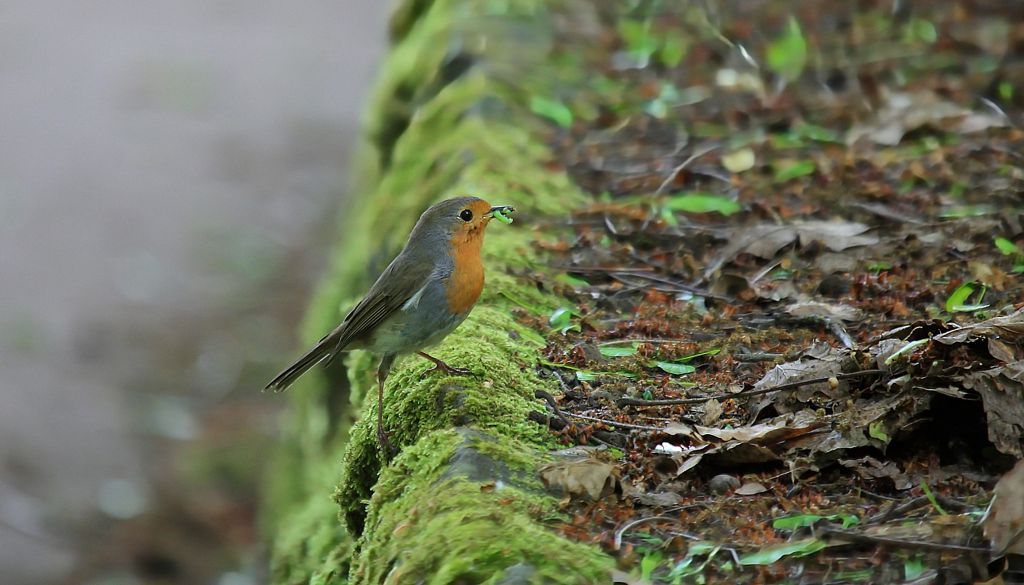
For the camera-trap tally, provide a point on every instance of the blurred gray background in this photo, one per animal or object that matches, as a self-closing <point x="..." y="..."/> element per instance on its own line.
<point x="170" y="172"/>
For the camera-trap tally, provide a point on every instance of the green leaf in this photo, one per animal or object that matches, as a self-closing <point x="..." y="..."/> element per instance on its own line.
<point x="674" y="368"/>
<point x="639" y="40"/>
<point x="879" y="266"/>
<point x="673" y="49"/>
<point x="561" y="320"/>
<point x="905" y="349"/>
<point x="774" y="554"/>
<point x="876" y="431"/>
<point x="1005" y="90"/>
<point x="957" y="301"/>
<point x="668" y="217"/>
<point x="648" y="564"/>
<point x="522" y="303"/>
<point x="571" y="280"/>
<point x="553" y="110"/>
<point x="805" y="520"/>
<point x="913" y="568"/>
<point x="817" y="133"/>
<point x="532" y="336"/>
<point x="692" y="356"/>
<point x="931" y="498"/>
<point x="617" y="351"/>
<point x="787" y="55"/>
<point x="797" y="521"/>
<point x="919" y="29"/>
<point x="1007" y="247"/>
<point x="786" y="171"/>
<point x="702" y="203"/>
<point x="588" y="376"/>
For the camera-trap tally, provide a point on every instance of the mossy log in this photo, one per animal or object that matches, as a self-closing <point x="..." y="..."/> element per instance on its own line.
<point x="462" y="502"/>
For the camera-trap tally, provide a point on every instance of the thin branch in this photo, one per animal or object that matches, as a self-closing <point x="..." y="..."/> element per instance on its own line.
<point x="621" y="531"/>
<point x="614" y="423"/>
<point x="671" y="176"/>
<point x="897" y="542"/>
<point x="757" y="356"/>
<point x="752" y="392"/>
<point x="609" y="438"/>
<point x="551" y="404"/>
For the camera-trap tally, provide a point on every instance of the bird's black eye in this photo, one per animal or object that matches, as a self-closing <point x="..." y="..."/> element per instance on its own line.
<point x="466" y="215"/>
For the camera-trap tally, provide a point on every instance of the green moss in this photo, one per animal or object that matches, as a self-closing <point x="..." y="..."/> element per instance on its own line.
<point x="308" y="546"/>
<point x="485" y="527"/>
<point x="445" y="121"/>
<point x="498" y="399"/>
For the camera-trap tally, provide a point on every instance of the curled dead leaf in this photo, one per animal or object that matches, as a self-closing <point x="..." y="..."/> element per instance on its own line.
<point x="1004" y="522"/>
<point x="589" y="478"/>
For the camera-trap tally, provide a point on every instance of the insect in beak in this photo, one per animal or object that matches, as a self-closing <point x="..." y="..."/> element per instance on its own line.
<point x="500" y="213"/>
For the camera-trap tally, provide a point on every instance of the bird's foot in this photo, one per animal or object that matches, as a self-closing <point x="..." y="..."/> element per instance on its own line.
<point x="439" y="365"/>
<point x="386" y="447"/>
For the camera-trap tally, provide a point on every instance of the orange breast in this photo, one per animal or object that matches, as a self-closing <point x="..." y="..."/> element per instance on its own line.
<point x="467" y="279"/>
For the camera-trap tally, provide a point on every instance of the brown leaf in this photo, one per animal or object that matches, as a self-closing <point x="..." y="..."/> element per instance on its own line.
<point x="766" y="240"/>
<point x="1002" y="394"/>
<point x="750" y="488"/>
<point x="906" y="112"/>
<point x="1009" y="328"/>
<point x="712" y="412"/>
<point x="871" y="468"/>
<point x="1004" y="521"/>
<point x="825" y="310"/>
<point x="591" y="478"/>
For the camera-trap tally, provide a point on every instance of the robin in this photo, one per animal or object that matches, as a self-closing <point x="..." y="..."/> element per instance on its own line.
<point x="421" y="297"/>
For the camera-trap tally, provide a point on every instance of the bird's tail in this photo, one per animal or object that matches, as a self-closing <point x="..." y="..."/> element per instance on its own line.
<point x="325" y="349"/>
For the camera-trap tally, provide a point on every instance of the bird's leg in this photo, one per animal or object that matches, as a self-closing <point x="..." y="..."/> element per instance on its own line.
<point x="383" y="369"/>
<point x="440" y="365"/>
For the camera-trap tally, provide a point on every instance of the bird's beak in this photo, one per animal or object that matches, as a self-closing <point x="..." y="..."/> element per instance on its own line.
<point x="501" y="211"/>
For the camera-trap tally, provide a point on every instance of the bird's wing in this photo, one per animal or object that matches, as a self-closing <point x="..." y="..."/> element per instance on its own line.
<point x="398" y="283"/>
<point x="395" y="286"/>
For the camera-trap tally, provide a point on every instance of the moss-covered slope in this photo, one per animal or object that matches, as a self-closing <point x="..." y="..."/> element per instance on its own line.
<point x="461" y="503"/>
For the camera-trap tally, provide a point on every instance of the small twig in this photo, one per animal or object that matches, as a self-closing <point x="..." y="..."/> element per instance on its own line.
<point x="757" y="356"/>
<point x="614" y="423"/>
<point x="609" y="438"/>
<point x="551" y="404"/>
<point x="618" y="533"/>
<point x="876" y="496"/>
<point x="678" y="169"/>
<point x="561" y="381"/>
<point x="839" y="330"/>
<point x="752" y="392"/>
<point x="623" y="273"/>
<point x="611" y="226"/>
<point x="763" y="272"/>
<point x="647" y="340"/>
<point x="912" y="504"/>
<point x="897" y="542"/>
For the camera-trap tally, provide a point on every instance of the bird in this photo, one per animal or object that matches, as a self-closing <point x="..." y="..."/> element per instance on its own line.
<point x="423" y="295"/>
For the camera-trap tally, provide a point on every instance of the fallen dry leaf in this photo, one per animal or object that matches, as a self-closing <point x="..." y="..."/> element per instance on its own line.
<point x="906" y="112"/>
<point x="750" y="488"/>
<point x="1004" y="521"/>
<point x="1002" y="394"/>
<point x="871" y="468"/>
<point x="588" y="477"/>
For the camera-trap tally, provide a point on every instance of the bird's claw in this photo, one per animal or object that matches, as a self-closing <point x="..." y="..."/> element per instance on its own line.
<point x="452" y="370"/>
<point x="387" y="448"/>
